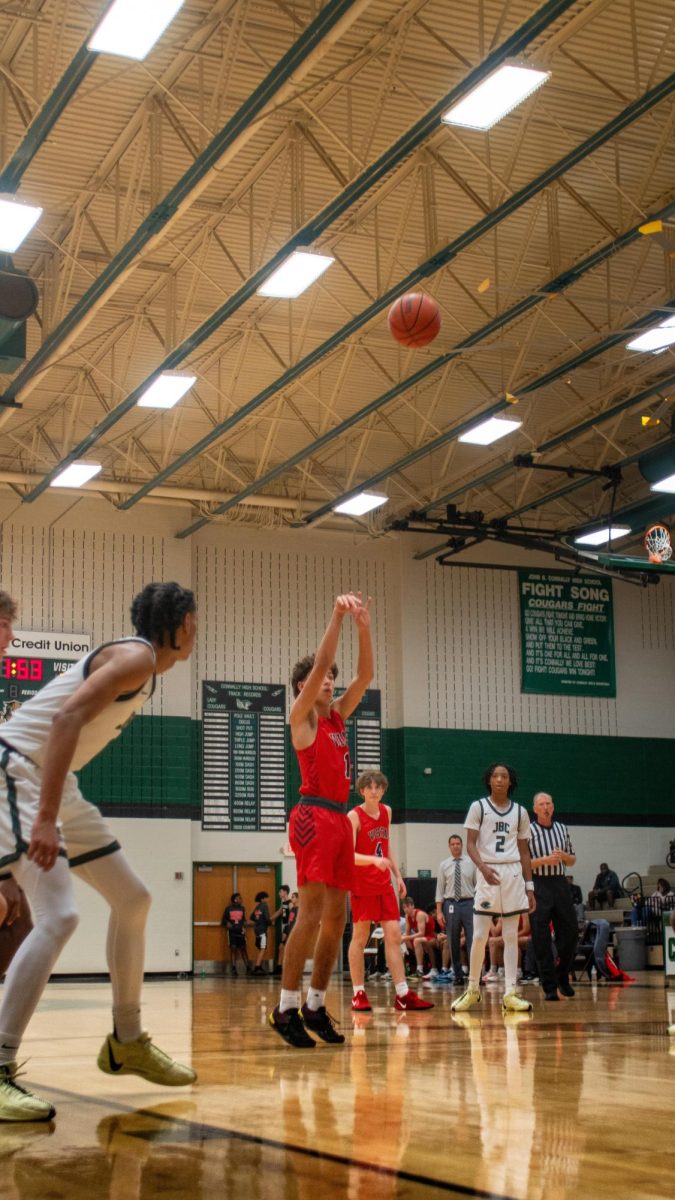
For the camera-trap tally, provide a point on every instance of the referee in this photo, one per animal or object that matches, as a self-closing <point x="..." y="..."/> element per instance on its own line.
<point x="551" y="852"/>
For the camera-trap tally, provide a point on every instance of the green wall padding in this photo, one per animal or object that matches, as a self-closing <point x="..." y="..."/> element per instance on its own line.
<point x="154" y="769"/>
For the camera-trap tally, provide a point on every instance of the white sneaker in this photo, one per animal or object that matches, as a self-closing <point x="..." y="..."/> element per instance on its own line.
<point x="16" y="1102"/>
<point x="432" y="974"/>
<point x="491" y="977"/>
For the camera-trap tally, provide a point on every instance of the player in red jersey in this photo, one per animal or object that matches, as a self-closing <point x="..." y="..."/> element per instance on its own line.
<point x="420" y="935"/>
<point x="373" y="896"/>
<point x="320" y="833"/>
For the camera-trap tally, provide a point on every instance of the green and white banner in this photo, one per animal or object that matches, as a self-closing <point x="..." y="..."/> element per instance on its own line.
<point x="567" y="634"/>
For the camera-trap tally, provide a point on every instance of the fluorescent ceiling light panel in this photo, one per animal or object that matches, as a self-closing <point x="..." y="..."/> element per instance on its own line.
<point x="166" y="391"/>
<point x="358" y="505"/>
<point x="489" y="431"/>
<point x="599" y="536"/>
<point x="16" y="222"/>
<point x="76" y="474"/>
<point x="295" y="275"/>
<point x="655" y="339"/>
<point x="496" y="96"/>
<point x="664" y="485"/>
<point x="130" y="28"/>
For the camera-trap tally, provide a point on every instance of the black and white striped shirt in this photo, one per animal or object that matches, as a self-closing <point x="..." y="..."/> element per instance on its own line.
<point x="544" y="840"/>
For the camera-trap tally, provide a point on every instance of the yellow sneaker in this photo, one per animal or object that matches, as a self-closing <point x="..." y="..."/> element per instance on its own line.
<point x="517" y="1018"/>
<point x="671" y="1030"/>
<point x="16" y="1102"/>
<point x="467" y="1000"/>
<point x="466" y="1020"/>
<point x="143" y="1058"/>
<point x="512" y="1002"/>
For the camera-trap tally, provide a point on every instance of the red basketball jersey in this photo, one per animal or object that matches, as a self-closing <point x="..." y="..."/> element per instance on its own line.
<point x="411" y="922"/>
<point x="372" y="837"/>
<point x="325" y="766"/>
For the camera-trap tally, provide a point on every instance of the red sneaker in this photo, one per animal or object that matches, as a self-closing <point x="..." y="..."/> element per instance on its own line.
<point x="360" y="1002"/>
<point x="411" y="1001"/>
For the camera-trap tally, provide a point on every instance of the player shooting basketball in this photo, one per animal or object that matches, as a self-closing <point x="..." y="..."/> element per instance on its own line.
<point x="321" y="835"/>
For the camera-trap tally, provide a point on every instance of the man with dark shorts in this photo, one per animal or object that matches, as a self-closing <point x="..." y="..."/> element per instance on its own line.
<point x="320" y="832"/>
<point x="234" y="920"/>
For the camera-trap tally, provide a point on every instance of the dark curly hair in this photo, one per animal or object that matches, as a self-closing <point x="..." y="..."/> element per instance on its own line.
<point x="159" y="611"/>
<point x="513" y="778"/>
<point x="303" y="668"/>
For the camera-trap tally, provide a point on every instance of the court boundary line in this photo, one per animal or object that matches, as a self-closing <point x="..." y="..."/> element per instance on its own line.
<point x="304" y="1151"/>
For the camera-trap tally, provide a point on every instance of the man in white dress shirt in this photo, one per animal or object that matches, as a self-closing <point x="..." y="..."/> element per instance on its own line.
<point x="455" y="888"/>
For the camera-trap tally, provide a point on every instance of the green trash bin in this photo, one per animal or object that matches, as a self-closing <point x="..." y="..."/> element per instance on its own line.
<point x="631" y="946"/>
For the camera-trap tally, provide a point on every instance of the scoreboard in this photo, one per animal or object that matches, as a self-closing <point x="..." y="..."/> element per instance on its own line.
<point x="32" y="659"/>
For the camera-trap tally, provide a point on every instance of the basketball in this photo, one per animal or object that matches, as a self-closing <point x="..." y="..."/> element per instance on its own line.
<point x="414" y="319"/>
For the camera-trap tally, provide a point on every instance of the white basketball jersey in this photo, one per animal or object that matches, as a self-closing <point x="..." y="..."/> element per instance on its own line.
<point x="28" y="729"/>
<point x="498" y="830"/>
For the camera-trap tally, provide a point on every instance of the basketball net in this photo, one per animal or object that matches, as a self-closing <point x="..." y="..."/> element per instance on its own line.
<point x="657" y="543"/>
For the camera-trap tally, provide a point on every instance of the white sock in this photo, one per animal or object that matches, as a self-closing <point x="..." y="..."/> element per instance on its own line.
<point x="9" y="1047"/>
<point x="481" y="926"/>
<point x="315" y="999"/>
<point x="127" y="1022"/>
<point x="129" y="901"/>
<point x="402" y="989"/>
<point x="358" y="987"/>
<point x="288" y="1000"/>
<point x="55" y="917"/>
<point x="510" y="935"/>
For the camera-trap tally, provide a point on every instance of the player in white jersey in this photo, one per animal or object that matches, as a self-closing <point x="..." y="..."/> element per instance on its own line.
<point x="48" y="829"/>
<point x="497" y="841"/>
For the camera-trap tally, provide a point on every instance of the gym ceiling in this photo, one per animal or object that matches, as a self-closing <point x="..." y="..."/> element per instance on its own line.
<point x="171" y="186"/>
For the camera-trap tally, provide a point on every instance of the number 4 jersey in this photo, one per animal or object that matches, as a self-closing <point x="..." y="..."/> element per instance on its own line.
<point x="499" y="830"/>
<point x="325" y="766"/>
<point x="372" y="837"/>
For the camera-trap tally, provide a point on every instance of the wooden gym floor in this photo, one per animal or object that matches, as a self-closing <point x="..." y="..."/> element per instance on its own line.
<point x="575" y="1101"/>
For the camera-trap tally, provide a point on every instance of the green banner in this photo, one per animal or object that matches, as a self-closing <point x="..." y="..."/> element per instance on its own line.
<point x="566" y="633"/>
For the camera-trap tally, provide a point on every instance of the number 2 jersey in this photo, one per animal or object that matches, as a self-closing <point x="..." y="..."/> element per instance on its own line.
<point x="499" y="830"/>
<point x="325" y="766"/>
<point x="372" y="837"/>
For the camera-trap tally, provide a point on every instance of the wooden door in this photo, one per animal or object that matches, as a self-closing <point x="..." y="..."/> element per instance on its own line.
<point x="212" y="888"/>
<point x="251" y="879"/>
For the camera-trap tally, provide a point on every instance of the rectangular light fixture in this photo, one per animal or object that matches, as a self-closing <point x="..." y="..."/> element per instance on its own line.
<point x="130" y="28"/>
<point x="655" y="339"/>
<point x="489" y="431"/>
<point x="166" y="391"/>
<point x="76" y="474"/>
<point x="502" y="91"/>
<point x="599" y="536"/>
<point x="295" y="275"/>
<point x="358" y="505"/>
<point x="16" y="222"/>
<point x="664" y="485"/>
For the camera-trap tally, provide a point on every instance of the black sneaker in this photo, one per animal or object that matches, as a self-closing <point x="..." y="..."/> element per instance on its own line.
<point x="566" y="988"/>
<point x="290" y="1026"/>
<point x="551" y="996"/>
<point x="321" y="1023"/>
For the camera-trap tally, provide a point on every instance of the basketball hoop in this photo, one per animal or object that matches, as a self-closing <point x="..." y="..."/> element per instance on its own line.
<point x="657" y="543"/>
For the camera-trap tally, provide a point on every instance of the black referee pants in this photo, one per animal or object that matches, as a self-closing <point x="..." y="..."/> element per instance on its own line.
<point x="554" y="905"/>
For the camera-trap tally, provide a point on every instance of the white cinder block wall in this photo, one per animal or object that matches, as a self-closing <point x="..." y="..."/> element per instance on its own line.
<point x="447" y="655"/>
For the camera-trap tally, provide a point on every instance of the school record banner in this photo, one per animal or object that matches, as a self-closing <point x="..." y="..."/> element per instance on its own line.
<point x="566" y="634"/>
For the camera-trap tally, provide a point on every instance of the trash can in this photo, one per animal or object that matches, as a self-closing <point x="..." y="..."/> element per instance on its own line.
<point x="631" y="945"/>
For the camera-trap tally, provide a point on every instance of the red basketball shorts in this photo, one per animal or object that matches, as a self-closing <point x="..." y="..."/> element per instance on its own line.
<point x="323" y="844"/>
<point x="381" y="906"/>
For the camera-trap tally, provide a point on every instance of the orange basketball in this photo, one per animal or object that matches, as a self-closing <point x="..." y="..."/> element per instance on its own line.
<point x="414" y="319"/>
